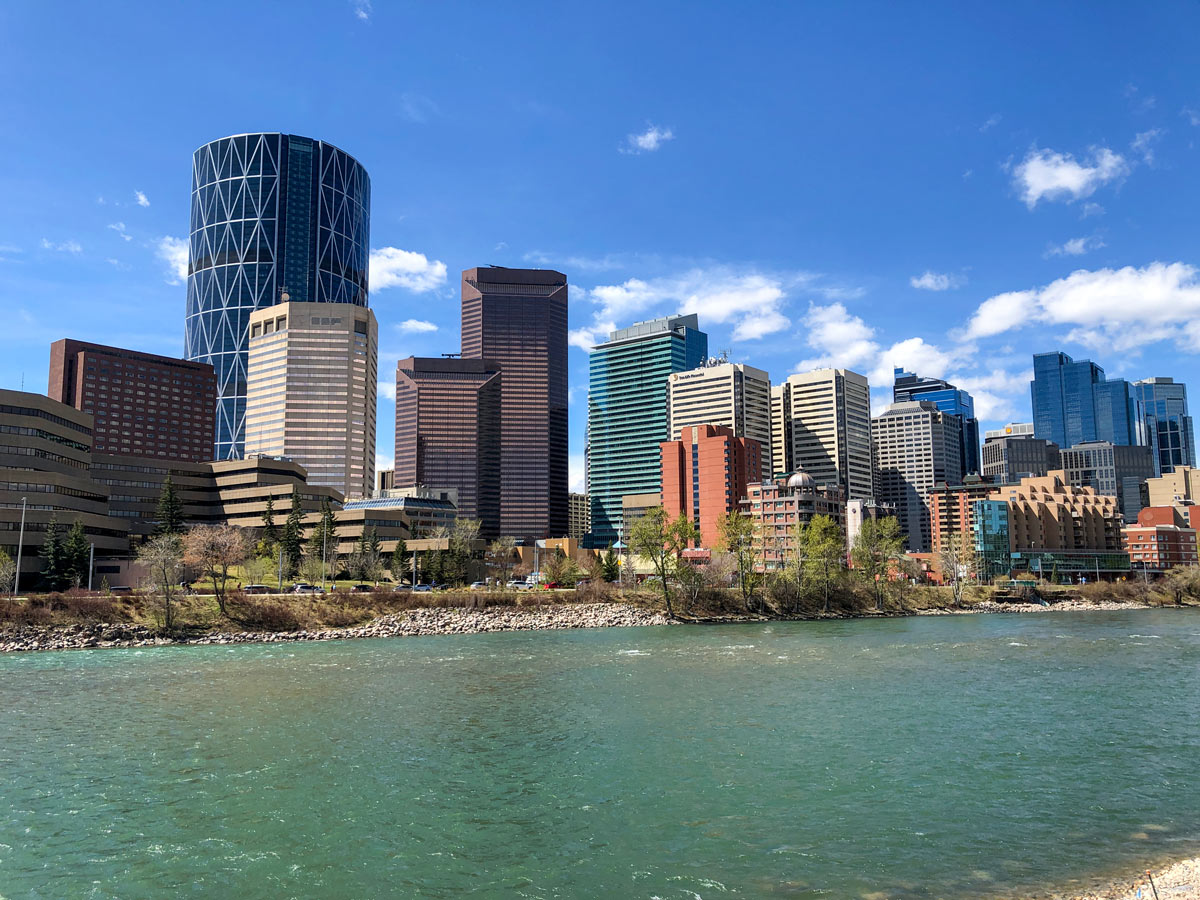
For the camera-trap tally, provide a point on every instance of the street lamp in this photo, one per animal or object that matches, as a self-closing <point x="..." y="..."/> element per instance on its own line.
<point x="20" y="545"/>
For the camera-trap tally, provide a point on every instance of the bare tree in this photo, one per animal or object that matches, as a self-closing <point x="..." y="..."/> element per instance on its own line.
<point x="1183" y="581"/>
<point x="8" y="572"/>
<point x="163" y="558"/>
<point x="959" y="563"/>
<point x="215" y="549"/>
<point x="656" y="538"/>
<point x="501" y="552"/>
<point x="737" y="539"/>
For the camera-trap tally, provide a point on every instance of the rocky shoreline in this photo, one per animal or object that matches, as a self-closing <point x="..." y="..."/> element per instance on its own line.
<point x="412" y="623"/>
<point x="438" y="620"/>
<point x="1179" y="881"/>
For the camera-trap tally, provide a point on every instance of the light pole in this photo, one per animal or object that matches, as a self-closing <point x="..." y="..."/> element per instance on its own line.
<point x="20" y="547"/>
<point x="91" y="563"/>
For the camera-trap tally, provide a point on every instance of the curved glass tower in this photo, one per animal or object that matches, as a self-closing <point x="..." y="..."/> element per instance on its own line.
<point x="271" y="213"/>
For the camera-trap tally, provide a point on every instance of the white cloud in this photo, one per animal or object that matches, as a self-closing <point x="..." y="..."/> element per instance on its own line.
<point x="1110" y="309"/>
<point x="174" y="252"/>
<point x="119" y="228"/>
<point x="845" y="341"/>
<point x="1143" y="144"/>
<point x="751" y="301"/>
<point x="416" y="326"/>
<point x="993" y="121"/>
<point x="362" y="9"/>
<point x="64" y="247"/>
<point x="141" y="198"/>
<point x="388" y="389"/>
<point x="383" y="462"/>
<point x="1192" y="115"/>
<point x="415" y="272"/>
<point x="1074" y="247"/>
<point x="1045" y="174"/>
<point x="937" y="281"/>
<point x="648" y="141"/>
<point x="577" y="473"/>
<point x="999" y="395"/>
<point x="9" y="248"/>
<point x="577" y="263"/>
<point x="1091" y="209"/>
<point x="417" y="107"/>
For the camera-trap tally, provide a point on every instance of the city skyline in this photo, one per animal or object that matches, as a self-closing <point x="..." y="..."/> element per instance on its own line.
<point x="997" y="225"/>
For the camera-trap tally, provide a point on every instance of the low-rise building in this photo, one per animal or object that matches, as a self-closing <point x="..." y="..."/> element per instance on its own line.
<point x="1160" y="540"/>
<point x="1115" y="470"/>
<point x="951" y="508"/>
<point x="779" y="506"/>
<point x="579" y="516"/>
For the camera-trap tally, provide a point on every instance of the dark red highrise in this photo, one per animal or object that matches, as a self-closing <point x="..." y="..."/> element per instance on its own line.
<point x="517" y="318"/>
<point x="144" y="404"/>
<point x="448" y="432"/>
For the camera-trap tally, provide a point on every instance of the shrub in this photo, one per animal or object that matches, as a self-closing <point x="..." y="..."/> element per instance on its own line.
<point x="90" y="608"/>
<point x="21" y="612"/>
<point x="266" y="615"/>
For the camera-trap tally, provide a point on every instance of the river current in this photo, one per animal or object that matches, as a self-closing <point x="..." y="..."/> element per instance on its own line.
<point x="965" y="756"/>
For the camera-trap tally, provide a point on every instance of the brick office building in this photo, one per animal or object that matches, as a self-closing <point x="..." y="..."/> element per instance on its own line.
<point x="705" y="474"/>
<point x="1161" y="540"/>
<point x="142" y="404"/>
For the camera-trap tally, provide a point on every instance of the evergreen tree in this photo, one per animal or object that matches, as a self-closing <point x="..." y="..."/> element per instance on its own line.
<point x="399" y="564"/>
<point x="52" y="563"/>
<point x="269" y="536"/>
<point x="170" y="510"/>
<point x="610" y="566"/>
<point x="76" y="554"/>
<point x="293" y="534"/>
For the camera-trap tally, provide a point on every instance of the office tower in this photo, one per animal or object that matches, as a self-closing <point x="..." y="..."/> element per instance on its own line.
<point x="722" y="393"/>
<point x="1074" y="403"/>
<point x="1168" y="427"/>
<point x="580" y="516"/>
<point x="916" y="446"/>
<point x="827" y="422"/>
<point x="627" y="411"/>
<point x="385" y="480"/>
<point x="1009" y="458"/>
<point x="312" y="373"/>
<point x="517" y="319"/>
<point x="270" y="213"/>
<point x="1112" y="470"/>
<point x="778" y="505"/>
<point x="948" y="399"/>
<point x="705" y="472"/>
<point x="448" y="421"/>
<point x="142" y="404"/>
<point x="781" y="435"/>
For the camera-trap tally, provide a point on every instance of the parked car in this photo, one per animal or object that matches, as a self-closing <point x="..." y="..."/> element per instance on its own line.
<point x="303" y="588"/>
<point x="362" y="589"/>
<point x="402" y="587"/>
<point x="423" y="588"/>
<point x="479" y="585"/>
<point x="256" y="589"/>
<point x="120" y="589"/>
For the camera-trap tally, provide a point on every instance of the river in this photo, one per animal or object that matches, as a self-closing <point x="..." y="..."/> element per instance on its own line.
<point x="956" y="756"/>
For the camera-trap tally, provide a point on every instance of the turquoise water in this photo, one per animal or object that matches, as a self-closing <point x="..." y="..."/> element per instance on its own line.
<point x="932" y="757"/>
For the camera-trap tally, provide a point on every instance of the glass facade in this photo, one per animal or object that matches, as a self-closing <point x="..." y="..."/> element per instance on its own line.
<point x="627" y="412"/>
<point x="1168" y="427"/>
<point x="1073" y="403"/>
<point x="270" y="213"/>
<point x="949" y="399"/>
<point x="989" y="529"/>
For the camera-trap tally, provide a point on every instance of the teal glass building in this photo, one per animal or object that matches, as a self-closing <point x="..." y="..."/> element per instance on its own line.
<point x="1168" y="427"/>
<point x="627" y="411"/>
<point x="1074" y="403"/>
<point x="270" y="213"/>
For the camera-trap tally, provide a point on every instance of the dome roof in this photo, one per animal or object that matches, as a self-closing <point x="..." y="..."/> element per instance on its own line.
<point x="801" y="480"/>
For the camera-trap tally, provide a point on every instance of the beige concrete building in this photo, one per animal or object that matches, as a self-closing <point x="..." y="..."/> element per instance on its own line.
<point x="1046" y="513"/>
<point x="781" y="435"/>
<point x="310" y="391"/>
<point x="731" y="394"/>
<point x="823" y="426"/>
<point x="579" y="515"/>
<point x="1178" y="488"/>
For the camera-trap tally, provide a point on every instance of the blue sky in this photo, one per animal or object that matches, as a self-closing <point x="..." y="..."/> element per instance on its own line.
<point x="947" y="187"/>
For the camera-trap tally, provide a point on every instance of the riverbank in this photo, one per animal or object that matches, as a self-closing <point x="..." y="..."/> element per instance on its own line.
<point x="412" y="623"/>
<point x="1179" y="881"/>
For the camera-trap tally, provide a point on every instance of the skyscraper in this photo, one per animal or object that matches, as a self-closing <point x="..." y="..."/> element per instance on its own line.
<point x="947" y="398"/>
<point x="916" y="446"/>
<point x="517" y="319"/>
<point x="731" y="394"/>
<point x="1073" y="402"/>
<point x="627" y="411"/>
<point x="826" y="418"/>
<point x="448" y="421"/>
<point x="1168" y="427"/>
<point x="270" y="212"/>
<point x="312" y="376"/>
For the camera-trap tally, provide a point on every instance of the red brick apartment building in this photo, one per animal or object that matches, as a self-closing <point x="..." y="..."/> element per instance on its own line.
<point x="705" y="474"/>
